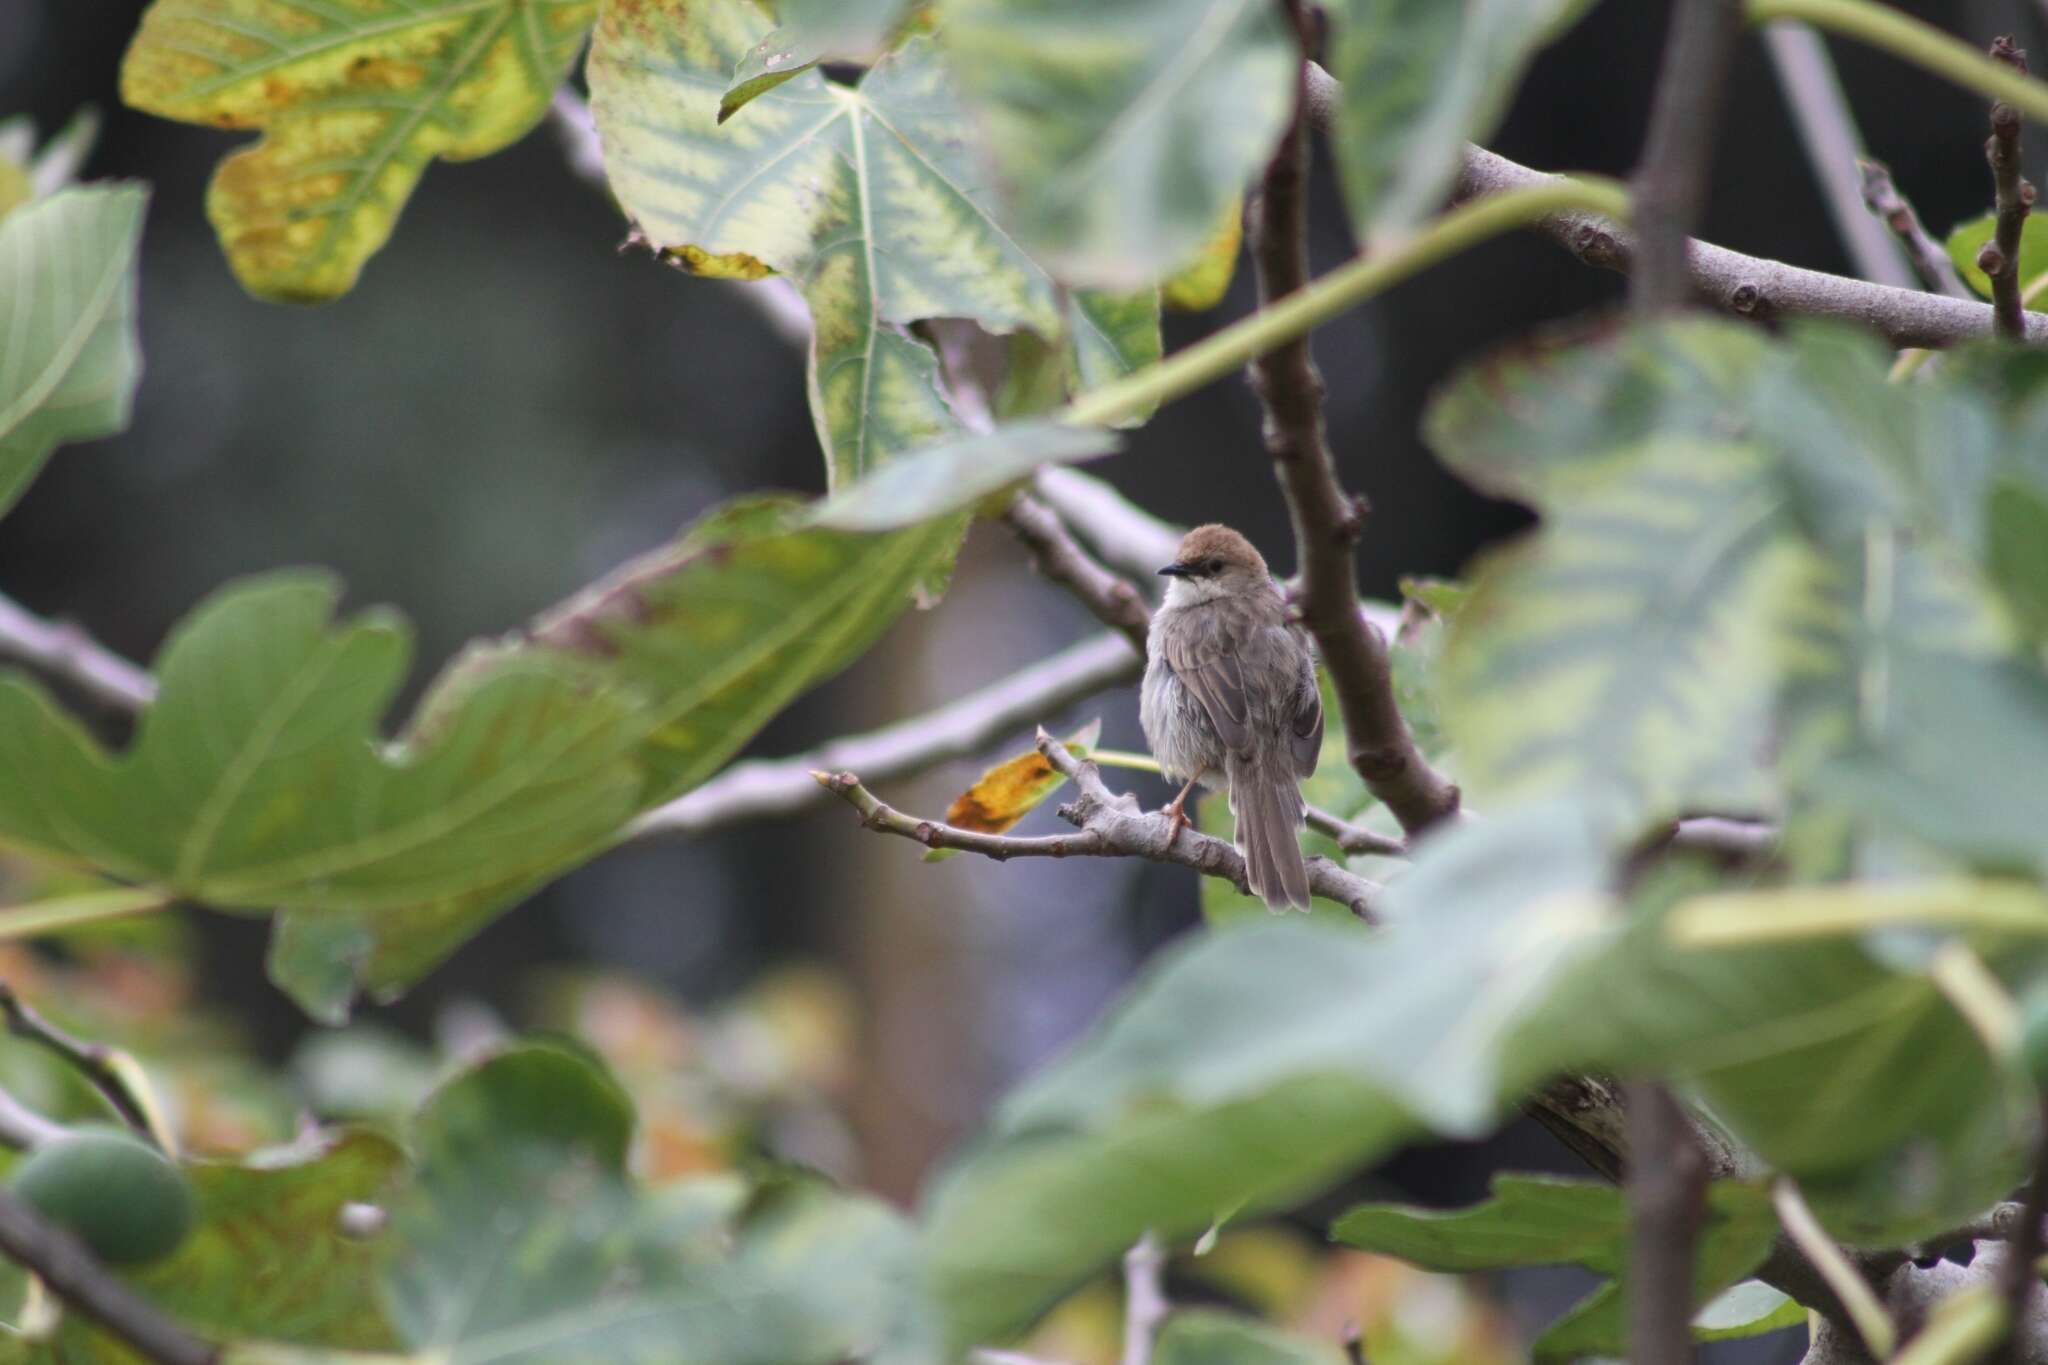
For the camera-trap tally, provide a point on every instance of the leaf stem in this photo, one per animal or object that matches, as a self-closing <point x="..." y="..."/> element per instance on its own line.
<point x="1872" y="1322"/>
<point x="1915" y="41"/>
<point x="1341" y="289"/>
<point x="68" y="912"/>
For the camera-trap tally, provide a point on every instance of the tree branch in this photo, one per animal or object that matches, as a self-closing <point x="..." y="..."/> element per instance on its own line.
<point x="67" y="653"/>
<point x="94" y="1061"/>
<point x="71" y="1273"/>
<point x="1109" y="825"/>
<point x="1930" y="262"/>
<point x="763" y="788"/>
<point x="1124" y="535"/>
<point x="2023" y="1254"/>
<point x="1666" y="1182"/>
<point x="2000" y="258"/>
<point x="22" y="1128"/>
<point x="1827" y="127"/>
<point x="1327" y="521"/>
<point x="1060" y="558"/>
<point x="1145" y="1303"/>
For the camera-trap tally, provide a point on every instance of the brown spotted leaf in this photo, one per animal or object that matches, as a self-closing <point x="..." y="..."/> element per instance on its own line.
<point x="354" y="98"/>
<point x="1012" y="789"/>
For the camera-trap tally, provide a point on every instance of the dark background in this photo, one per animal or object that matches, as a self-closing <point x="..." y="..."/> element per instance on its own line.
<point x="506" y="406"/>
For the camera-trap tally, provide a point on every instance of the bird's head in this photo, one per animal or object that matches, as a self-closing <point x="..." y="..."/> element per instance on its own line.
<point x="1214" y="561"/>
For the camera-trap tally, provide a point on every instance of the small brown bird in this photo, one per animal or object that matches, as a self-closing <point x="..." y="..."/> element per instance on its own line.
<point x="1230" y="701"/>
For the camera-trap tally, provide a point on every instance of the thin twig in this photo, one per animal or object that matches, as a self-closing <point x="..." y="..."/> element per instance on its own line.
<point x="2023" y="1256"/>
<point x="766" y="788"/>
<point x="1931" y="263"/>
<point x="1108" y="825"/>
<point x="1122" y="534"/>
<point x="1060" y="558"/>
<point x="1827" y="127"/>
<point x="2000" y="258"/>
<point x="1666" y="1182"/>
<point x="94" y="1061"/>
<point x="73" y="1275"/>
<point x="67" y="653"/>
<point x="22" y="1128"/>
<point x="1327" y="521"/>
<point x="1351" y="838"/>
<point x="1145" y="1303"/>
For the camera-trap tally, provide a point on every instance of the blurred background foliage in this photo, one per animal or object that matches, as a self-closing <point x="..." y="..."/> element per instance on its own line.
<point x="509" y="404"/>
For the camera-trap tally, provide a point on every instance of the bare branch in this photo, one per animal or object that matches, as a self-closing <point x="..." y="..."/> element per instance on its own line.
<point x="1352" y="839"/>
<point x="2000" y="258"/>
<point x="1827" y="126"/>
<point x="73" y="1275"/>
<point x="1670" y="186"/>
<point x="67" y="653"/>
<point x="1108" y="825"/>
<point x="1145" y="1303"/>
<point x="763" y="788"/>
<point x="1061" y="559"/>
<point x="1930" y="262"/>
<point x="22" y="1128"/>
<point x="1667" y="1185"/>
<point x="1843" y="1276"/>
<point x="1327" y="521"/>
<point x="96" y="1062"/>
<point x="1126" y="537"/>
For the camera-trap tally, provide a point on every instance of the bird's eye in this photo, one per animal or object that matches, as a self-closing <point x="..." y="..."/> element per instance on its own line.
<point x="1212" y="566"/>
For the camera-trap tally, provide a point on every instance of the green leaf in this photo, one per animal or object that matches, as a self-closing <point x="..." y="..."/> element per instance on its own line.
<point x="1255" y="1065"/>
<point x="522" y="1240"/>
<point x="869" y="198"/>
<point x="1544" y="1220"/>
<point x="354" y="98"/>
<point x="255" y="781"/>
<point x="1200" y="1337"/>
<point x="932" y="481"/>
<point x="1749" y="1309"/>
<point x="1635" y="647"/>
<point x="281" y="1211"/>
<point x="1122" y="133"/>
<point x="812" y="31"/>
<point x="70" y="357"/>
<point x="1422" y="78"/>
<point x="706" y="640"/>
<point x="2016" y="548"/>
<point x="1965" y="240"/>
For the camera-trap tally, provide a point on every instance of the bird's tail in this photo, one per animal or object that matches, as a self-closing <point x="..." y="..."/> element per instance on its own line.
<point x="1266" y="799"/>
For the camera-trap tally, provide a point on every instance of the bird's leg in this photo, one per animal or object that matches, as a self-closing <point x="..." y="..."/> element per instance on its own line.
<point x="1177" y="812"/>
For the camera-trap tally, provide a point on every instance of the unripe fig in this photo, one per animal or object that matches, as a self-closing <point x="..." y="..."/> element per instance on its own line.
<point x="112" y="1191"/>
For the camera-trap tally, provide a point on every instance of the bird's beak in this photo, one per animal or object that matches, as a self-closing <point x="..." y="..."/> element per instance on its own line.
<point x="1176" y="571"/>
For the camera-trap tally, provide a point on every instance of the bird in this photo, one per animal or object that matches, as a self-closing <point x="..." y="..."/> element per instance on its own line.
<point x="1230" y="701"/>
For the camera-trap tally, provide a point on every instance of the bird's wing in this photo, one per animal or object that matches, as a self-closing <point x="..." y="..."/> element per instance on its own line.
<point x="1209" y="669"/>
<point x="1307" y="736"/>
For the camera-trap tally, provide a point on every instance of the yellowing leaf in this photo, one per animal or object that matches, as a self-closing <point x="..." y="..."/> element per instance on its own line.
<point x="1013" y="789"/>
<point x="355" y="97"/>
<point x="1201" y="284"/>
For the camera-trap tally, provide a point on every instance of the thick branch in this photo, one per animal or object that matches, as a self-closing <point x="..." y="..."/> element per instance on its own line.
<point x="2000" y="258"/>
<point x="74" y="1276"/>
<point x="1108" y="824"/>
<point x="1667" y="1182"/>
<point x="67" y="653"/>
<point x="1061" y="559"/>
<point x="764" y="788"/>
<point x="1327" y="521"/>
<point x="1930" y="262"/>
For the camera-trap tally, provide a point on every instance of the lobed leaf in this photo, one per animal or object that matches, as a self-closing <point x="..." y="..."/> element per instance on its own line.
<point x="355" y="98"/>
<point x="70" y="357"/>
<point x="869" y="197"/>
<point x="1122" y="133"/>
<point x="811" y="31"/>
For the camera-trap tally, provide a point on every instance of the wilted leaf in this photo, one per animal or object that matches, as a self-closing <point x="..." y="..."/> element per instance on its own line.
<point x="1421" y="78"/>
<point x="932" y="481"/>
<point x="869" y="198"/>
<point x="1965" y="240"/>
<point x="354" y="98"/>
<point x="1544" y="1220"/>
<point x="1121" y="133"/>
<point x="68" y="352"/>
<point x="1014" y="788"/>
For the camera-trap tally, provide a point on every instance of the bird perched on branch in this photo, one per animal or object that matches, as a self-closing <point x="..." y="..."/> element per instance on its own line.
<point x="1230" y="701"/>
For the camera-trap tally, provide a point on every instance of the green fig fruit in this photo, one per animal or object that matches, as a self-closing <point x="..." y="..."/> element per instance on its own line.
<point x="112" y="1191"/>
